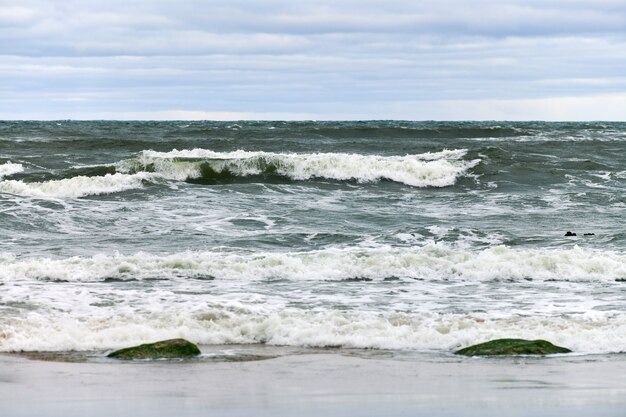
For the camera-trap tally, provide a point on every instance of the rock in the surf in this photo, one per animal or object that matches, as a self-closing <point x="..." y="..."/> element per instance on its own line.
<point x="165" y="349"/>
<point x="512" y="347"/>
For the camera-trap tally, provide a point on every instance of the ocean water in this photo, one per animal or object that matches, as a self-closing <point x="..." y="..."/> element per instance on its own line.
<point x="402" y="236"/>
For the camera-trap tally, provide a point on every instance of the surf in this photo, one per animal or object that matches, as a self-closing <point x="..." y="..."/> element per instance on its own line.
<point x="438" y="169"/>
<point x="202" y="166"/>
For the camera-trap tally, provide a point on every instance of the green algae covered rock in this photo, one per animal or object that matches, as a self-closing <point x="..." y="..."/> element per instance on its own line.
<point x="165" y="349"/>
<point x="512" y="347"/>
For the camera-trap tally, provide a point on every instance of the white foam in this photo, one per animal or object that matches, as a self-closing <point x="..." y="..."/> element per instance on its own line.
<point x="9" y="168"/>
<point x="75" y="187"/>
<point x="227" y="324"/>
<point x="439" y="169"/>
<point x="459" y="298"/>
<point x="430" y="262"/>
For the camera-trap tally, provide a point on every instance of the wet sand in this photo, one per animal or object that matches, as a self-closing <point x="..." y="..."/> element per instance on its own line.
<point x="316" y="385"/>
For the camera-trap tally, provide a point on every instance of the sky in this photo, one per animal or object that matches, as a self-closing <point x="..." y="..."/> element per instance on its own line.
<point x="322" y="59"/>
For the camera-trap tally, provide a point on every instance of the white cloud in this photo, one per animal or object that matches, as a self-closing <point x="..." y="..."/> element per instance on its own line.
<point x="16" y="15"/>
<point x="582" y="108"/>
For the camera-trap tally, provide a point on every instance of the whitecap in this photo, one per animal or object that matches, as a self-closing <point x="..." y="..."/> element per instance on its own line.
<point x="436" y="169"/>
<point x="75" y="187"/>
<point x="433" y="261"/>
<point x="9" y="168"/>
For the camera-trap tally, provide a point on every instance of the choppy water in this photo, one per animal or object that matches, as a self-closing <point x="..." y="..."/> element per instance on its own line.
<point x="396" y="235"/>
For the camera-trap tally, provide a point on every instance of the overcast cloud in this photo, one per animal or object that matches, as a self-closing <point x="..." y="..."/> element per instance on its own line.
<point x="341" y="59"/>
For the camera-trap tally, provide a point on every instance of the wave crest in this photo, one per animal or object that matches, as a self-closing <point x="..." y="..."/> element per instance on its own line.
<point x="430" y="262"/>
<point x="224" y="325"/>
<point x="439" y="169"/>
<point x="75" y="187"/>
<point x="9" y="168"/>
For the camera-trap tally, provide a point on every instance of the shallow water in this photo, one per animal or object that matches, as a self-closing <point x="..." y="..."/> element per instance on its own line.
<point x="334" y="385"/>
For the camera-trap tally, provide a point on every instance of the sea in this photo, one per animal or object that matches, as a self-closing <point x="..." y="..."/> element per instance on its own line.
<point x="378" y="236"/>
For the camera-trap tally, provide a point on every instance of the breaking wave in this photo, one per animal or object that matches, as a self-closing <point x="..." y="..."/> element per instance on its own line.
<point x="439" y="169"/>
<point x="209" y="298"/>
<point x="430" y="262"/>
<point x="223" y="325"/>
<point x="9" y="168"/>
<point x="75" y="187"/>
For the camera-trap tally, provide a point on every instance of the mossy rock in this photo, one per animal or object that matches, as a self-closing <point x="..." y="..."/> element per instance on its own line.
<point x="512" y="347"/>
<point x="165" y="349"/>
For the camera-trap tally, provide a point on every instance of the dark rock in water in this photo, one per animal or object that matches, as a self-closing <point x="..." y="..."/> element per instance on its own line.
<point x="589" y="234"/>
<point x="570" y="234"/>
<point x="512" y="347"/>
<point x="173" y="348"/>
<point x="357" y="279"/>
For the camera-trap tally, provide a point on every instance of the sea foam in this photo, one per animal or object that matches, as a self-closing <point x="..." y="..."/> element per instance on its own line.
<point x="429" y="262"/>
<point x="228" y="323"/>
<point x="75" y="187"/>
<point x="439" y="169"/>
<point x="226" y="298"/>
<point x="9" y="168"/>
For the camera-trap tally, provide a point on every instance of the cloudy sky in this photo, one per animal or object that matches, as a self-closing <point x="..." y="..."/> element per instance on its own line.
<point x="316" y="59"/>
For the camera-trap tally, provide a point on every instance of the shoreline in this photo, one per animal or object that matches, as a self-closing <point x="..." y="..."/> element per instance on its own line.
<point x="313" y="384"/>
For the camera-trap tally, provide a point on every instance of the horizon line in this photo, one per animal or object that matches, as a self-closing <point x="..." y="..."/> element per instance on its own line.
<point x="321" y="120"/>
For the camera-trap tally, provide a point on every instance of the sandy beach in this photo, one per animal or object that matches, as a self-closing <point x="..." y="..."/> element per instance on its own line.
<point x="316" y="384"/>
